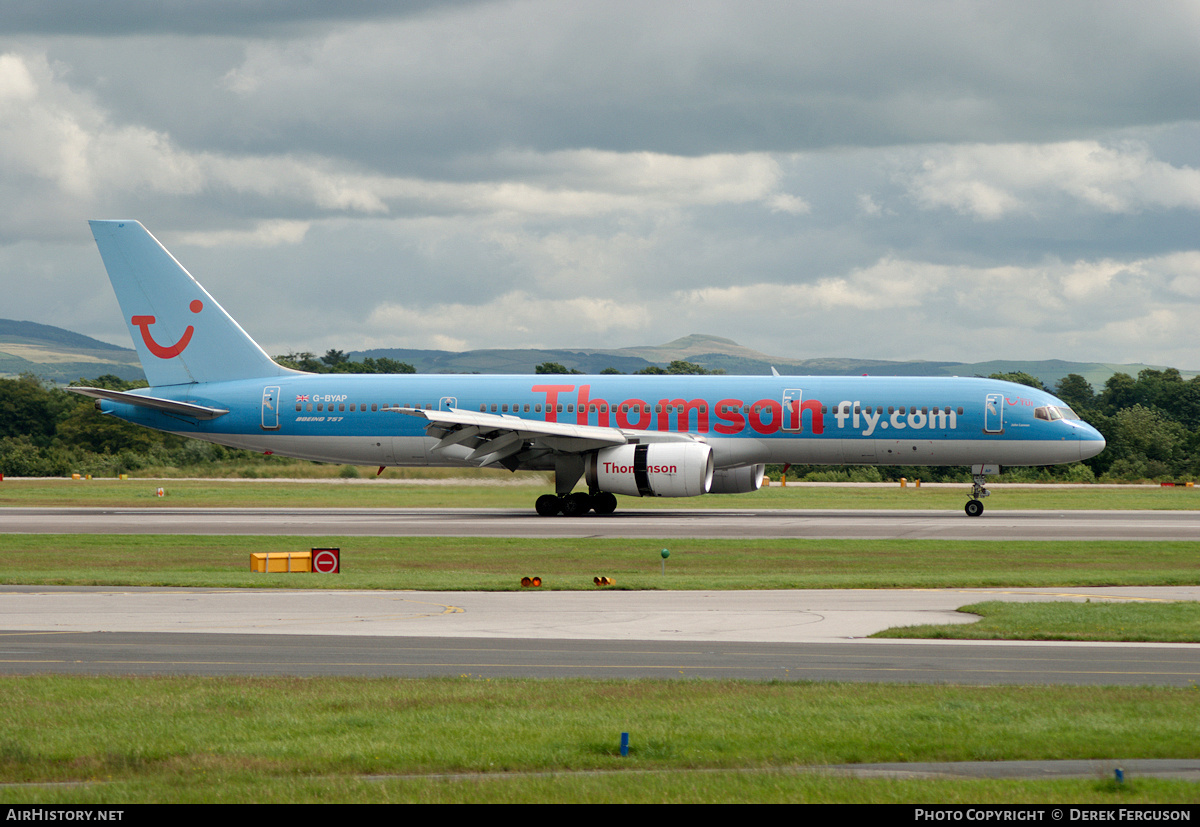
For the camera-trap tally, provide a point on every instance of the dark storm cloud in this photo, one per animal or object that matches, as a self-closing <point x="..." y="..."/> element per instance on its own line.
<point x="235" y="18"/>
<point x="718" y="77"/>
<point x="415" y="88"/>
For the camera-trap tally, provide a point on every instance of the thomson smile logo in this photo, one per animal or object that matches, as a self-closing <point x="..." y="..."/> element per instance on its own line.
<point x="166" y="351"/>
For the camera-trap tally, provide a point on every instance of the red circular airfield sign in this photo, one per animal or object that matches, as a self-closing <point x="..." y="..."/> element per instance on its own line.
<point x="327" y="560"/>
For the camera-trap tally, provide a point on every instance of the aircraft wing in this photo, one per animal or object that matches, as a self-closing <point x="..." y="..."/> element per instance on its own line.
<point x="167" y="405"/>
<point x="494" y="438"/>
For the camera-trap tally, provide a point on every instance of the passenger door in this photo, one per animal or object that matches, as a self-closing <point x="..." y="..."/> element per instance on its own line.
<point x="270" y="408"/>
<point x="993" y="414"/>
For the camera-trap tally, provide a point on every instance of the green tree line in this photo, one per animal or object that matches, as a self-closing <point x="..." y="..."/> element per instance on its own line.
<point x="47" y="432"/>
<point x="1151" y="423"/>
<point x="335" y="361"/>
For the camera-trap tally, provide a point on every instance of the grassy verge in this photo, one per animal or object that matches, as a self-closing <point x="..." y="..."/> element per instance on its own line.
<point x="752" y="786"/>
<point x="1164" y="622"/>
<point x="519" y="491"/>
<point x="259" y="739"/>
<point x="497" y="564"/>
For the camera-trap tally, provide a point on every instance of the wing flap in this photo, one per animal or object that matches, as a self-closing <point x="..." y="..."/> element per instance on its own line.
<point x="492" y="438"/>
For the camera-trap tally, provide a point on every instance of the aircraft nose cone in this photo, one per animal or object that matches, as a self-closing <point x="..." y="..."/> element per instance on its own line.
<point x="1091" y="442"/>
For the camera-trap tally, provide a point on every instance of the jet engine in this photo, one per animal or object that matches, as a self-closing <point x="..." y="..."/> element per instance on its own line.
<point x="656" y="469"/>
<point x="740" y="480"/>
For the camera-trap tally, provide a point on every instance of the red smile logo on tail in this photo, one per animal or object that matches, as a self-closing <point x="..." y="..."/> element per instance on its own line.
<point x="171" y="351"/>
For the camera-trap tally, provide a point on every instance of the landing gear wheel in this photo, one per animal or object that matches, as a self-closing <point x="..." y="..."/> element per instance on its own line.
<point x="604" y="503"/>
<point x="979" y="490"/>
<point x="576" y="505"/>
<point x="547" y="505"/>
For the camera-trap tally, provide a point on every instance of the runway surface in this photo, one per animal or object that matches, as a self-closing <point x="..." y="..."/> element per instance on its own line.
<point x="729" y="523"/>
<point x="784" y="635"/>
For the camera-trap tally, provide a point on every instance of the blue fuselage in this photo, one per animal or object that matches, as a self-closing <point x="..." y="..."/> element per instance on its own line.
<point x="788" y="419"/>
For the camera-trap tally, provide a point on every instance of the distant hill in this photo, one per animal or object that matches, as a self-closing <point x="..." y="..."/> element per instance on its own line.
<point x="60" y="355"/>
<point x="63" y="356"/>
<point x="44" y="334"/>
<point x="502" y="361"/>
<point x="715" y="352"/>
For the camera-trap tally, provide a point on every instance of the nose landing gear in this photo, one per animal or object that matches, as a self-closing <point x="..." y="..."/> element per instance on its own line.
<point x="974" y="506"/>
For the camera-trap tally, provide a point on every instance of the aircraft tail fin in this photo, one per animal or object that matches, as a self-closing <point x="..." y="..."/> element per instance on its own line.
<point x="181" y="334"/>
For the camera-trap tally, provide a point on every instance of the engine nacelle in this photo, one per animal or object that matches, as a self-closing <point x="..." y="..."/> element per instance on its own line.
<point x="740" y="480"/>
<point x="656" y="469"/>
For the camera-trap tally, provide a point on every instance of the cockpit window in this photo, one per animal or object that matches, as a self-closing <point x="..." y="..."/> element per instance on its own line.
<point x="1053" y="412"/>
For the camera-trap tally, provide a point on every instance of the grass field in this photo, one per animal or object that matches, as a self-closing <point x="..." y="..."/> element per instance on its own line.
<point x="1100" y="621"/>
<point x="520" y="491"/>
<point x="467" y="739"/>
<point x="498" y="564"/>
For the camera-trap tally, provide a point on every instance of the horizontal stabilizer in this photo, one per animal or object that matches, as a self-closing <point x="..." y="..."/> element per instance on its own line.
<point x="166" y="405"/>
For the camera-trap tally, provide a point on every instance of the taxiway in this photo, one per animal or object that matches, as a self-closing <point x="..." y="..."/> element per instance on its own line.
<point x="783" y="635"/>
<point x="648" y="523"/>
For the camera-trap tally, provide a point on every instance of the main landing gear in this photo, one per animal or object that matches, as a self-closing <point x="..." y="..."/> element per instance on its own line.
<point x="974" y="506"/>
<point x="576" y="505"/>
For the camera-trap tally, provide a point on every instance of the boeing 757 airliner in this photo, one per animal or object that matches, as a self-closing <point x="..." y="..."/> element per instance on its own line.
<point x="638" y="436"/>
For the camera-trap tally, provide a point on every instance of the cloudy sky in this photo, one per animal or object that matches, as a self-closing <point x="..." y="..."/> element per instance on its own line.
<point x="939" y="180"/>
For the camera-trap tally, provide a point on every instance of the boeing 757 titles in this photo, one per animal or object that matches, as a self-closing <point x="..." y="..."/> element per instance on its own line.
<point x="639" y="436"/>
